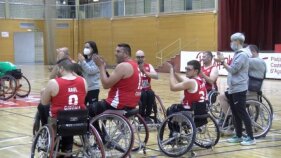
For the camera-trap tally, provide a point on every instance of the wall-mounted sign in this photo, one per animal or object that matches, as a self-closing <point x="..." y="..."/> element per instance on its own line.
<point x="5" y="34"/>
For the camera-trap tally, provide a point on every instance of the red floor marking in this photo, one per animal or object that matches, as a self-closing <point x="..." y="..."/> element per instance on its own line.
<point x="31" y="100"/>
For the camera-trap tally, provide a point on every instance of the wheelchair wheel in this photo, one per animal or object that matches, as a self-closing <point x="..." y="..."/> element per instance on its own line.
<point x="158" y="110"/>
<point x="7" y="87"/>
<point x="141" y="132"/>
<point x="116" y="133"/>
<point x="36" y="123"/>
<point x="214" y="106"/>
<point x="92" y="144"/>
<point x="179" y="140"/>
<point x="23" y="87"/>
<point x="260" y="118"/>
<point x="208" y="135"/>
<point x="43" y="143"/>
<point x="267" y="103"/>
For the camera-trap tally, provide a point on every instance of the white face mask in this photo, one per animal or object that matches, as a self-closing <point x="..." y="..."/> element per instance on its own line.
<point x="234" y="46"/>
<point x="87" y="51"/>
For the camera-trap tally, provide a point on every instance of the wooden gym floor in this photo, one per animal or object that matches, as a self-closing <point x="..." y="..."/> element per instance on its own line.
<point x="16" y="118"/>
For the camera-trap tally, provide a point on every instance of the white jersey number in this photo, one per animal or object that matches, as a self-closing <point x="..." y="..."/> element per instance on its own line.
<point x="202" y="96"/>
<point x="73" y="99"/>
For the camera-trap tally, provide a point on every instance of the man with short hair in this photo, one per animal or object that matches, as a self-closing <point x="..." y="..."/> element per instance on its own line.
<point x="209" y="72"/>
<point x="147" y="94"/>
<point x="67" y="92"/>
<point x="195" y="93"/>
<point x="124" y="82"/>
<point x="62" y="53"/>
<point x="237" y="80"/>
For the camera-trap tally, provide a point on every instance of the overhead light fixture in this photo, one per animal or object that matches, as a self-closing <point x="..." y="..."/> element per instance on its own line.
<point x="95" y="0"/>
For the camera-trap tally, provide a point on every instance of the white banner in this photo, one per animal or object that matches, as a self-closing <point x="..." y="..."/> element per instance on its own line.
<point x="272" y="60"/>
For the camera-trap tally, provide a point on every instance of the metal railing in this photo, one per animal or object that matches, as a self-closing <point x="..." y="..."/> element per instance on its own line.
<point x="2" y="9"/>
<point x="103" y="9"/>
<point x="173" y="49"/>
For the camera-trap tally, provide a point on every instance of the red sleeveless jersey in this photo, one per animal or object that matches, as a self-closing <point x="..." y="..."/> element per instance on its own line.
<point x="200" y="95"/>
<point x="71" y="95"/>
<point x="207" y="72"/>
<point x="126" y="92"/>
<point x="145" y="83"/>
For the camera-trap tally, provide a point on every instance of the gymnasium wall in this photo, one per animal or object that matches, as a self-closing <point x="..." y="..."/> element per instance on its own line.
<point x="11" y="26"/>
<point x="60" y="37"/>
<point x="197" y="31"/>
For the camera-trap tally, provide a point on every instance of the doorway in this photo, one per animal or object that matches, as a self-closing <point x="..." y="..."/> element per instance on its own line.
<point x="28" y="47"/>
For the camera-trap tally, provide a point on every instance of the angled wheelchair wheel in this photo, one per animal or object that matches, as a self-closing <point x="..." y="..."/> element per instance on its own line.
<point x="116" y="133"/>
<point x="214" y="106"/>
<point x="7" y="87"/>
<point x="176" y="135"/>
<point x="208" y="135"/>
<point x="43" y="143"/>
<point x="92" y="144"/>
<point x="36" y="123"/>
<point x="263" y="99"/>
<point x="141" y="132"/>
<point x="23" y="87"/>
<point x="260" y="116"/>
<point x="158" y="111"/>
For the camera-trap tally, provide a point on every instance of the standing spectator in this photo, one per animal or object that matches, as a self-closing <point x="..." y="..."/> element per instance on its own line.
<point x="237" y="81"/>
<point x="257" y="69"/>
<point x="147" y="94"/>
<point x="91" y="72"/>
<point x="209" y="72"/>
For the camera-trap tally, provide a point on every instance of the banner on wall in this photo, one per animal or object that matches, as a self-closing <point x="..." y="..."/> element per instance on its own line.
<point x="272" y="60"/>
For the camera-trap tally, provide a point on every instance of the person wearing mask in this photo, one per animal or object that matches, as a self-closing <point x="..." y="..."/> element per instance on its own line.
<point x="91" y="71"/>
<point x="237" y="80"/>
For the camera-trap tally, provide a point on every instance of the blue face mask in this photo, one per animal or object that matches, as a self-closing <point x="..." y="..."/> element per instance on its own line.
<point x="234" y="46"/>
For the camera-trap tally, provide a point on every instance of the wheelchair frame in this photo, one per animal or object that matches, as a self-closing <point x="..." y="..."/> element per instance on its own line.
<point x="46" y="142"/>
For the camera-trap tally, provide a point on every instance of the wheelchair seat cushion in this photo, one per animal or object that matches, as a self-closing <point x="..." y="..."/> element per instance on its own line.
<point x="131" y="112"/>
<point x="200" y="113"/>
<point x="72" y="122"/>
<point x="15" y="73"/>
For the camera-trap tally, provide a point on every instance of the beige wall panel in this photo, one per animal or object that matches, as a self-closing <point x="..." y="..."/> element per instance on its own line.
<point x="100" y="32"/>
<point x="197" y="31"/>
<point x="64" y="37"/>
<point x="140" y="33"/>
<point x="12" y="26"/>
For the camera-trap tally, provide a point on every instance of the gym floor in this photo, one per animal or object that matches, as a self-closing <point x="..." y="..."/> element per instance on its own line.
<point x="16" y="117"/>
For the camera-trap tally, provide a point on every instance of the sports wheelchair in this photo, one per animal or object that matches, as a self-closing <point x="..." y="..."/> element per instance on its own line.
<point x="215" y="108"/>
<point x="122" y="131"/>
<point x="158" y="113"/>
<point x="46" y="143"/>
<point x="260" y="111"/>
<point x="260" y="116"/>
<point x="179" y="131"/>
<point x="14" y="83"/>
